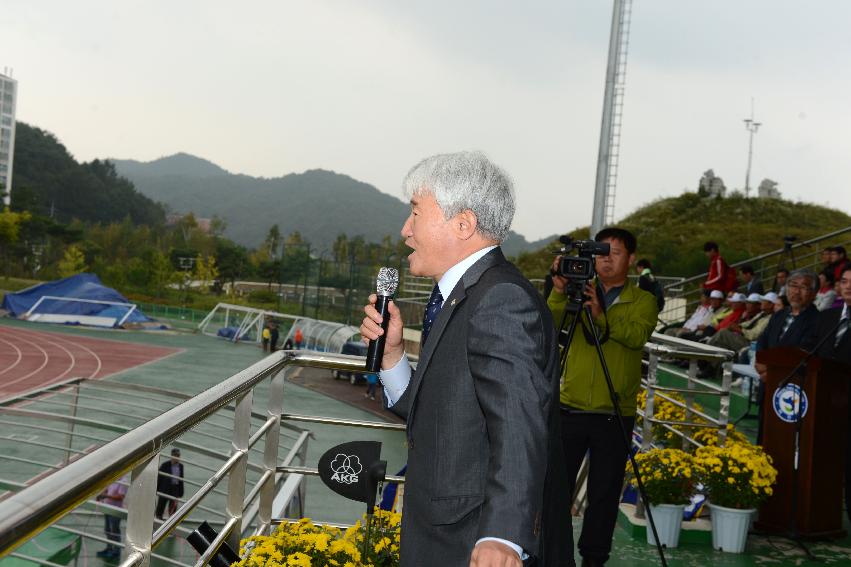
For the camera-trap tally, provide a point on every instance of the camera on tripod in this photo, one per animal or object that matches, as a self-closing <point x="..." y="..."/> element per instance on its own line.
<point x="578" y="269"/>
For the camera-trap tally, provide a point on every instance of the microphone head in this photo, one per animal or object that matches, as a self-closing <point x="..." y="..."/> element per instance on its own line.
<point x="387" y="281"/>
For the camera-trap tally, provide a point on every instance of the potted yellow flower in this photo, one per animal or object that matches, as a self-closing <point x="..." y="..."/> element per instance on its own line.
<point x="737" y="478"/>
<point x="669" y="479"/>
<point x="306" y="544"/>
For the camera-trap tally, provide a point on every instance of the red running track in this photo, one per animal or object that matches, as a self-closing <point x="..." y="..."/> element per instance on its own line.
<point x="32" y="359"/>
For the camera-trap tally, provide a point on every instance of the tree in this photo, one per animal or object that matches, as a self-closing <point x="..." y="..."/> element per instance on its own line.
<point x="162" y="273"/>
<point x="10" y="229"/>
<point x="232" y="260"/>
<point x="273" y="241"/>
<point x="73" y="262"/>
<point x="206" y="271"/>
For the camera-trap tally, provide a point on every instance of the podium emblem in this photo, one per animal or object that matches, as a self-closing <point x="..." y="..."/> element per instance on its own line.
<point x="789" y="401"/>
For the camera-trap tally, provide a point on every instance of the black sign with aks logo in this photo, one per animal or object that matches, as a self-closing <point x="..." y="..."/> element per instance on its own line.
<point x="354" y="470"/>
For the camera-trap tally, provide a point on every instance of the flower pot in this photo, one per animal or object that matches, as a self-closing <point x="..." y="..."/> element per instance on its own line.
<point x="668" y="519"/>
<point x="730" y="528"/>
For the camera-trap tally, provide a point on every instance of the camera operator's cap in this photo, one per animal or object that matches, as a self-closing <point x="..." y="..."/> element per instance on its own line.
<point x="175" y="452"/>
<point x="738" y="298"/>
<point x="717" y="294"/>
<point x="770" y="296"/>
<point x="754" y="298"/>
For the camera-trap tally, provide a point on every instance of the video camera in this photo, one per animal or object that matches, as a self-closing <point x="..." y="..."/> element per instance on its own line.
<point x="578" y="269"/>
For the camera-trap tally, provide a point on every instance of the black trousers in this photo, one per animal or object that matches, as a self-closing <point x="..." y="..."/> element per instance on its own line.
<point x="162" y="502"/>
<point x="601" y="437"/>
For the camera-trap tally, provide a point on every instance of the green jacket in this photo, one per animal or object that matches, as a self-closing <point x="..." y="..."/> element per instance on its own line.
<point x="631" y="320"/>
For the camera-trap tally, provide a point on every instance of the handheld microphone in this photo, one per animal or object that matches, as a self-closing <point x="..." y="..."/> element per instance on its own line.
<point x="385" y="286"/>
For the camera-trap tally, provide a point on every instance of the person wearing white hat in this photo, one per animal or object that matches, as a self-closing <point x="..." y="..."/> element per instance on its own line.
<point x="710" y="303"/>
<point x="728" y="317"/>
<point x="740" y="334"/>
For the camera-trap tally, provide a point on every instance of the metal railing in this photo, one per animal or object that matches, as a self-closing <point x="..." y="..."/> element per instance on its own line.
<point x="673" y="348"/>
<point x="248" y="510"/>
<point x="250" y="506"/>
<point x="765" y="265"/>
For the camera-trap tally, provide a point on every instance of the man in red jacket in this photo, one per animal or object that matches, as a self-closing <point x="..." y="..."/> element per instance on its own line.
<point x="717" y="278"/>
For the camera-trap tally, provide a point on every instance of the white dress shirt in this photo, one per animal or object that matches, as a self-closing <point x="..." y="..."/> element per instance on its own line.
<point x="395" y="380"/>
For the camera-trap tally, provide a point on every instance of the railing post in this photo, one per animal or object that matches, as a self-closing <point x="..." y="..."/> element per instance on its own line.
<point x="652" y="382"/>
<point x="724" y="402"/>
<point x="141" y="499"/>
<point x="689" y="397"/>
<point x="270" y="452"/>
<point x="302" y="489"/>
<point x="236" y="478"/>
<point x="73" y="412"/>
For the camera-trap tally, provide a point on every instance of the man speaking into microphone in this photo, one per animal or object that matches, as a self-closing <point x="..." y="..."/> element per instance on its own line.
<point x="482" y="422"/>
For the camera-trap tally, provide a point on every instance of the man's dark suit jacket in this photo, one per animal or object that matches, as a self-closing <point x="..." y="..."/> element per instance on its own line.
<point x="754" y="286"/>
<point x="801" y="334"/>
<point x="165" y="484"/>
<point x="482" y="424"/>
<point x="827" y="322"/>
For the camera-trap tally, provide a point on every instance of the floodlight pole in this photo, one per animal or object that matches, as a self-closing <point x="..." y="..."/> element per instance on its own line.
<point x="610" y="127"/>
<point x="751" y="126"/>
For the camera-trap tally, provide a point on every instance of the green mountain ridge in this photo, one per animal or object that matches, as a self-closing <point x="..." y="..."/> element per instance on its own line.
<point x="320" y="204"/>
<point x="47" y="180"/>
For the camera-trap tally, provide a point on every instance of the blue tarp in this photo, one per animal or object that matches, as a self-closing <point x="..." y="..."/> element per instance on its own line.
<point x="80" y="286"/>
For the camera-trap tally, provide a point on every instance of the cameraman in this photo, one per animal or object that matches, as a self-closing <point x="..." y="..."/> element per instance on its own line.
<point x="625" y="317"/>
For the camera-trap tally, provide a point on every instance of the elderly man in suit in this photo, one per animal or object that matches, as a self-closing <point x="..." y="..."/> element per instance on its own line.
<point x="793" y="326"/>
<point x="482" y="424"/>
<point x="835" y="336"/>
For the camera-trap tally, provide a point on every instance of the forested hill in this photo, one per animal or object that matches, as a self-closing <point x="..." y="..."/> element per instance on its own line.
<point x="671" y="231"/>
<point x="48" y="180"/>
<point x="319" y="204"/>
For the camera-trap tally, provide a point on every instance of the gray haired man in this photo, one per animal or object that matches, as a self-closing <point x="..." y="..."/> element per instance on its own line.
<point x="482" y="425"/>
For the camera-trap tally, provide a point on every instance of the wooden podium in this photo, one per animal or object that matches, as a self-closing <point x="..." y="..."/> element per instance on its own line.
<point x="822" y="443"/>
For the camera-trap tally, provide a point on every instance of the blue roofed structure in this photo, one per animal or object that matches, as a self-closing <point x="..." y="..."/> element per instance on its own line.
<point x="78" y="299"/>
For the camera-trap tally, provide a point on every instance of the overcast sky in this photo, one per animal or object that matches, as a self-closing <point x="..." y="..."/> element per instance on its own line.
<point x="368" y="88"/>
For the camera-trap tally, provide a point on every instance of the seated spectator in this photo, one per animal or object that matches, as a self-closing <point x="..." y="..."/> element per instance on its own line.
<point x="793" y="326"/>
<point x="737" y="309"/>
<point x="838" y="260"/>
<point x="758" y="310"/>
<point x="739" y="335"/>
<point x="826" y="294"/>
<point x="710" y="301"/>
<point x="824" y="257"/>
<point x="751" y="283"/>
<point x="780" y="282"/>
<point x="838" y="302"/>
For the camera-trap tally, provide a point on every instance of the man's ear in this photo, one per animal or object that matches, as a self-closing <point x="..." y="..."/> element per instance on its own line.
<point x="465" y="224"/>
<point x="632" y="259"/>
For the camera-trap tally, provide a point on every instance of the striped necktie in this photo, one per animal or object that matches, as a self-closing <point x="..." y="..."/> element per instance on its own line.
<point x="435" y="302"/>
<point x="787" y="323"/>
<point x="840" y="331"/>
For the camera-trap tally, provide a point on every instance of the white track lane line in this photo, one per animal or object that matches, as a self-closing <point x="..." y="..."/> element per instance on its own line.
<point x="17" y="361"/>
<point x="37" y="370"/>
<point x="59" y="337"/>
<point x="71" y="364"/>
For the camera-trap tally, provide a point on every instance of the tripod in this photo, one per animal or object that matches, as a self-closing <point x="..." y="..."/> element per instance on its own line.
<point x="576" y="305"/>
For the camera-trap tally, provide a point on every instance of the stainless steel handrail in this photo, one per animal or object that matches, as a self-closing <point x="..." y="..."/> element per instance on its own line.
<point x="27" y="512"/>
<point x="32" y="509"/>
